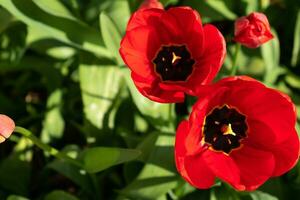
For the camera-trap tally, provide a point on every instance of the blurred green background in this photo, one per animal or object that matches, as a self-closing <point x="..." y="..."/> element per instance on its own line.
<point x="62" y="78"/>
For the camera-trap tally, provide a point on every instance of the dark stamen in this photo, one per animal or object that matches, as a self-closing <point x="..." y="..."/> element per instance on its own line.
<point x="224" y="128"/>
<point x="173" y="63"/>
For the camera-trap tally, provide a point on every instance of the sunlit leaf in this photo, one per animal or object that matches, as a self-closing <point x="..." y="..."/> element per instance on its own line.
<point x="15" y="197"/>
<point x="111" y="36"/>
<point x="271" y="55"/>
<point x="53" y="125"/>
<point x="158" y="176"/>
<point x="119" y="12"/>
<point x="45" y="25"/>
<point x="296" y="48"/>
<point x="100" y="83"/>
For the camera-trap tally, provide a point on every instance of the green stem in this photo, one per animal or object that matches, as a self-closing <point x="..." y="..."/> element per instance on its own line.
<point x="234" y="59"/>
<point x="51" y="150"/>
<point x="171" y="115"/>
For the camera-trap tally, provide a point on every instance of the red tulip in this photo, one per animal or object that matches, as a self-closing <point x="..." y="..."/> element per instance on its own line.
<point x="7" y="126"/>
<point x="170" y="53"/>
<point x="151" y="4"/>
<point x="240" y="132"/>
<point x="253" y="30"/>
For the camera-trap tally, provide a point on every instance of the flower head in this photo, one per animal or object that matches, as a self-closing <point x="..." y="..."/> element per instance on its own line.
<point x="252" y="30"/>
<point x="237" y="134"/>
<point x="170" y="53"/>
<point x="7" y="126"/>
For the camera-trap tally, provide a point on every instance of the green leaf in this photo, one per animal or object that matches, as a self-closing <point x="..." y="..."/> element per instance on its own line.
<point x="12" y="42"/>
<point x="296" y="49"/>
<point x="43" y="25"/>
<point x="157" y="113"/>
<point x="251" y="5"/>
<point x="258" y="195"/>
<point x="60" y="195"/>
<point x="111" y="36"/>
<point x="221" y="7"/>
<point x="54" y="7"/>
<point x="53" y="124"/>
<point x="77" y="175"/>
<point x="223" y="193"/>
<point x="15" y="175"/>
<point x="119" y="12"/>
<point x="212" y="10"/>
<point x="97" y="159"/>
<point x="271" y="55"/>
<point x="5" y="19"/>
<point x="100" y="84"/>
<point x="159" y="174"/>
<point x="15" y="197"/>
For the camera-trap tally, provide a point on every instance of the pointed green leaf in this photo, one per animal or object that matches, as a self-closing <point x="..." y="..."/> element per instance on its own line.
<point x="258" y="195"/>
<point x="97" y="159"/>
<point x="271" y="55"/>
<point x="15" y="197"/>
<point x="296" y="49"/>
<point x="100" y="84"/>
<point x="157" y="113"/>
<point x="43" y="24"/>
<point x="111" y="36"/>
<point x="159" y="174"/>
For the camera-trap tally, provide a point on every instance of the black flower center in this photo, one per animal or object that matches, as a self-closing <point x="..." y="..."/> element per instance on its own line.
<point x="173" y="63"/>
<point x="224" y="128"/>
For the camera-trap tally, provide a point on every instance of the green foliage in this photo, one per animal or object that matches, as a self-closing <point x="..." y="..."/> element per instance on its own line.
<point x="62" y="77"/>
<point x="99" y="158"/>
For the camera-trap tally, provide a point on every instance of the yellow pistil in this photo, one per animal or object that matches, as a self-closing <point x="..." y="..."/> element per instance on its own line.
<point x="227" y="130"/>
<point x="175" y="57"/>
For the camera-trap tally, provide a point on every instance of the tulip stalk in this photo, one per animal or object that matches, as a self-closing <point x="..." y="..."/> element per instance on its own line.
<point x="45" y="147"/>
<point x="234" y="59"/>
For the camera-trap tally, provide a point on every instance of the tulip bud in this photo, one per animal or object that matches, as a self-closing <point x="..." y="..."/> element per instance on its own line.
<point x="7" y="126"/>
<point x="252" y="30"/>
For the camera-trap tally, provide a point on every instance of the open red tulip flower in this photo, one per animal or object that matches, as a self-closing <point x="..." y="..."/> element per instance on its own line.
<point x="170" y="53"/>
<point x="7" y="126"/>
<point x="240" y="132"/>
<point x="252" y="30"/>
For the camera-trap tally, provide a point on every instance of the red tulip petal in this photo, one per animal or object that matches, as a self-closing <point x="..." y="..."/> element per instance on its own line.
<point x="286" y="154"/>
<point x="212" y="58"/>
<point x="181" y="134"/>
<point x="256" y="16"/>
<point x="240" y="24"/>
<point x="197" y="173"/>
<point x="254" y="102"/>
<point x="224" y="168"/>
<point x="7" y="126"/>
<point x="192" y="168"/>
<point x="190" y="22"/>
<point x="138" y="48"/>
<point x="151" y="89"/>
<point x="145" y="17"/>
<point x="256" y="166"/>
